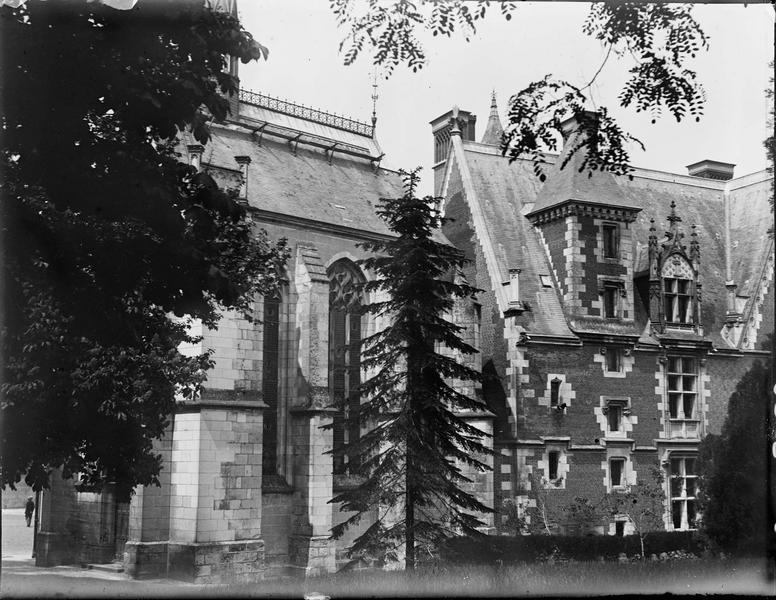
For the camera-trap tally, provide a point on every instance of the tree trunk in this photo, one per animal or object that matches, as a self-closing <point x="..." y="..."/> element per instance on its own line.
<point x="641" y="539"/>
<point x="409" y="517"/>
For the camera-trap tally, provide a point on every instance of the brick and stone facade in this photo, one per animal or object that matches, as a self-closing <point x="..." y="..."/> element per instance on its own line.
<point x="587" y="366"/>
<point x="626" y="342"/>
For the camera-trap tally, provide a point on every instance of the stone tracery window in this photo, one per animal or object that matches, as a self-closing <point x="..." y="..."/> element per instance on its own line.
<point x="345" y="310"/>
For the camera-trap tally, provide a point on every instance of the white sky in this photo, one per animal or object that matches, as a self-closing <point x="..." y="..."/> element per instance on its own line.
<point x="304" y="66"/>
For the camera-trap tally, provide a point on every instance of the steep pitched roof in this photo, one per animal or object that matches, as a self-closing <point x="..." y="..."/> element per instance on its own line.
<point x="499" y="192"/>
<point x="305" y="185"/>
<point x="750" y="219"/>
<point x="493" y="130"/>
<point x="507" y="192"/>
<point x="570" y="180"/>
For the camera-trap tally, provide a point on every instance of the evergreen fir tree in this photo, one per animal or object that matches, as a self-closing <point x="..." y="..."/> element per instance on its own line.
<point x="410" y="461"/>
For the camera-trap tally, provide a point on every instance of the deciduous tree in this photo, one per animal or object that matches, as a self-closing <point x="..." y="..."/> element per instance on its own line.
<point x="642" y="503"/>
<point x="659" y="38"/>
<point x="107" y="235"/>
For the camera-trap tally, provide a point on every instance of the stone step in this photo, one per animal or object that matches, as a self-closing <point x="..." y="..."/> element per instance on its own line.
<point x="111" y="567"/>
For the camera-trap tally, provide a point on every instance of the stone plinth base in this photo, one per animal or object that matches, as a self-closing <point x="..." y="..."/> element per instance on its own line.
<point x="53" y="549"/>
<point x="217" y="562"/>
<point x="312" y="555"/>
<point x="145" y="560"/>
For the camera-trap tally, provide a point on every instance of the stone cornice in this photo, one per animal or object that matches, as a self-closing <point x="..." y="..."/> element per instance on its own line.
<point x="222" y="400"/>
<point x="311" y="224"/>
<point x="575" y="207"/>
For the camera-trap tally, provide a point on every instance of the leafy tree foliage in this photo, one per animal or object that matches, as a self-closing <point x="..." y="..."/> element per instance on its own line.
<point x="734" y="476"/>
<point x="107" y="234"/>
<point x="643" y="504"/>
<point x="660" y="38"/>
<point x="411" y="458"/>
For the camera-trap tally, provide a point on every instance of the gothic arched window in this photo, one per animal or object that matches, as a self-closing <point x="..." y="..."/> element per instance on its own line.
<point x="345" y="310"/>
<point x="677" y="291"/>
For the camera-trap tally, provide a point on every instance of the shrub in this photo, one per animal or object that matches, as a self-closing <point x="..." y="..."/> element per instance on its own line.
<point x="534" y="548"/>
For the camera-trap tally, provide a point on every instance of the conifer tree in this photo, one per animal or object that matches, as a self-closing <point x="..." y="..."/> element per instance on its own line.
<point x="411" y="458"/>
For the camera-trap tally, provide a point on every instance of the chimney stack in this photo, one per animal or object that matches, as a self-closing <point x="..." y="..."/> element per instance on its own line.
<point x="586" y="120"/>
<point x="711" y="169"/>
<point x="441" y="128"/>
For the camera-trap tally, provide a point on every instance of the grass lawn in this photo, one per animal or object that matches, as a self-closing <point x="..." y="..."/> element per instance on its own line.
<point x="735" y="576"/>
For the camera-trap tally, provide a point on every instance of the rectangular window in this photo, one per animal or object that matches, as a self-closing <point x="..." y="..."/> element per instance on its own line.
<point x="619" y="528"/>
<point x="677" y="300"/>
<point x="610" y="301"/>
<point x="552" y="461"/>
<point x="611" y="240"/>
<point x="554" y="391"/>
<point x="683" y="486"/>
<point x="613" y="362"/>
<point x="682" y="387"/>
<point x="614" y="417"/>
<point x="616" y="472"/>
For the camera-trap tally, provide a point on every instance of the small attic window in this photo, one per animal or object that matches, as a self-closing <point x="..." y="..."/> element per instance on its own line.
<point x="546" y="281"/>
<point x="338" y="206"/>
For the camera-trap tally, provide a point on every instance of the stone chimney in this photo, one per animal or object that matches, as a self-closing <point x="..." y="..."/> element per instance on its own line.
<point x="440" y="129"/>
<point x="711" y="169"/>
<point x="585" y="121"/>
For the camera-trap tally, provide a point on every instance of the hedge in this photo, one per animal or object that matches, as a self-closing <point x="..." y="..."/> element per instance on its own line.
<point x="515" y="549"/>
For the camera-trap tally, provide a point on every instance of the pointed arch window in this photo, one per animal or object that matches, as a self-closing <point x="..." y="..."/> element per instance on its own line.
<point x="345" y="311"/>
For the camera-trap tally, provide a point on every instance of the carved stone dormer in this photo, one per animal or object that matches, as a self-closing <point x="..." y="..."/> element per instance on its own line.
<point x="674" y="279"/>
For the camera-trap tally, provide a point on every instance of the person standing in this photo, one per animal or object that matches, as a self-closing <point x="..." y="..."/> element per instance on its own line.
<point x="29" y="509"/>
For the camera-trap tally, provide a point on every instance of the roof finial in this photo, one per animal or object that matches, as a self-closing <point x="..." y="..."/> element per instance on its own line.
<point x="455" y="125"/>
<point x="374" y="102"/>
<point x="493" y="101"/>
<point x="673" y="218"/>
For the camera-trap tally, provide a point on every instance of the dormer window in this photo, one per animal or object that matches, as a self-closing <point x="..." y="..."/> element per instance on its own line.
<point x="611" y="240"/>
<point x="678" y="291"/>
<point x="677" y="300"/>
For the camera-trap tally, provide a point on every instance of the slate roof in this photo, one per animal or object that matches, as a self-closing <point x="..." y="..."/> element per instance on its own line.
<point x="574" y="182"/>
<point x="341" y="190"/>
<point x="502" y="191"/>
<point x="507" y="192"/>
<point x="305" y="185"/>
<point x="493" y="129"/>
<point x="750" y="219"/>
